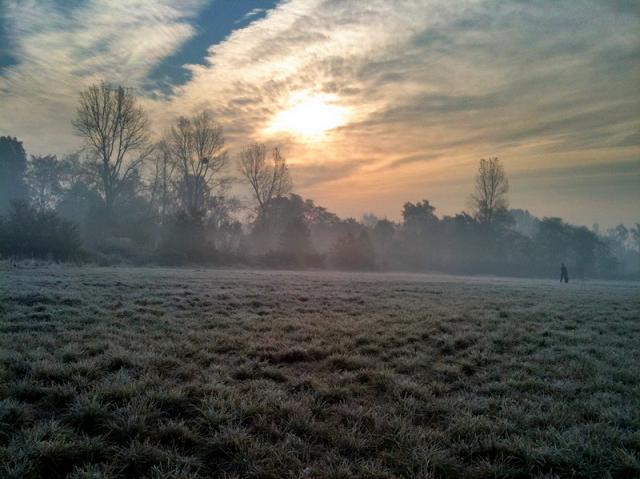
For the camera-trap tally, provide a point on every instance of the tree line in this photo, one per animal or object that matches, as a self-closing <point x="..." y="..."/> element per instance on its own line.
<point x="127" y="198"/>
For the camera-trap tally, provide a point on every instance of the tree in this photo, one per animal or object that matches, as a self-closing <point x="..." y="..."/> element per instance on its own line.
<point x="419" y="218"/>
<point x="268" y="179"/>
<point x="45" y="176"/>
<point x="420" y="230"/>
<point x="323" y="224"/>
<point x="635" y="235"/>
<point x="78" y="200"/>
<point x="584" y="243"/>
<point x="221" y="223"/>
<point x="161" y="188"/>
<point x="196" y="146"/>
<point x="115" y="129"/>
<point x="553" y="245"/>
<point x="369" y="220"/>
<point x="268" y="226"/>
<point x="353" y="251"/>
<point x="617" y="240"/>
<point x="382" y="236"/>
<point x="620" y="233"/>
<point x="489" y="198"/>
<point x="524" y="222"/>
<point x="383" y="232"/>
<point x="13" y="166"/>
<point x="295" y="238"/>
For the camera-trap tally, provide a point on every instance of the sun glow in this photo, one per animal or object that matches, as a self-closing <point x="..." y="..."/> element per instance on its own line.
<point x="310" y="116"/>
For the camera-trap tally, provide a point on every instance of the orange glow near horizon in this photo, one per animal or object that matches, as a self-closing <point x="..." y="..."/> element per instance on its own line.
<point x="309" y="116"/>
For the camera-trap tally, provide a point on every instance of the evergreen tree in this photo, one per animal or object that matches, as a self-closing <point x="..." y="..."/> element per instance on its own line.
<point x="13" y="167"/>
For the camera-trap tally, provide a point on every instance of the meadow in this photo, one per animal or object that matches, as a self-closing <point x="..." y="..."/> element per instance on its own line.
<point x="184" y="373"/>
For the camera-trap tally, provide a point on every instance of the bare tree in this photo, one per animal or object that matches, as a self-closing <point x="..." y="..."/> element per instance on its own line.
<point x="196" y="146"/>
<point x="268" y="178"/>
<point x="115" y="129"/>
<point x="490" y="191"/>
<point x="162" y="183"/>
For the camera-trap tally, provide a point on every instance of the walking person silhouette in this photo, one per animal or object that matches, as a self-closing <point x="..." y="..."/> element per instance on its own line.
<point x="564" y="273"/>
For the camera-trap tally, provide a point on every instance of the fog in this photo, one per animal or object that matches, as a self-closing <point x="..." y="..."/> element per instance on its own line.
<point x="129" y="197"/>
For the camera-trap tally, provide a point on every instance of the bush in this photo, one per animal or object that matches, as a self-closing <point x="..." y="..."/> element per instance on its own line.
<point x="185" y="241"/>
<point x="353" y="252"/>
<point x="31" y="233"/>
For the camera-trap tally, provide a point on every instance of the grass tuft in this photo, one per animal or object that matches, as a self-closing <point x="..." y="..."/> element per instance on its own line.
<point x="166" y="374"/>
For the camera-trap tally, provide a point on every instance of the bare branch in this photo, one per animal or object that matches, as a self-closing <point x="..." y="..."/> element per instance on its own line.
<point x="267" y="179"/>
<point x="490" y="190"/>
<point x="115" y="130"/>
<point x="196" y="147"/>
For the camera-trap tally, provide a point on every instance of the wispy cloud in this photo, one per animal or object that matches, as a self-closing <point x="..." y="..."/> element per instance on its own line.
<point x="251" y="14"/>
<point x="432" y="85"/>
<point x="60" y="49"/>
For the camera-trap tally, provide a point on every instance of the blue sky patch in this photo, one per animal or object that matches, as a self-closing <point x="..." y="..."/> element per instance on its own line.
<point x="214" y="23"/>
<point x="6" y="58"/>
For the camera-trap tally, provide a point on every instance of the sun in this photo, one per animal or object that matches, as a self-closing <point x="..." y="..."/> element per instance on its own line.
<point x="309" y="116"/>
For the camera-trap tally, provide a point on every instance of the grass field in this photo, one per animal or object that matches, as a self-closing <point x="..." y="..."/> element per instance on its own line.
<point x="162" y="373"/>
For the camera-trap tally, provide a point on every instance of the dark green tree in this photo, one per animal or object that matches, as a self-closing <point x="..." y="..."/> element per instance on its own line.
<point x="295" y="238"/>
<point x="45" y="176"/>
<point x="30" y="233"/>
<point x="353" y="251"/>
<point x="13" y="167"/>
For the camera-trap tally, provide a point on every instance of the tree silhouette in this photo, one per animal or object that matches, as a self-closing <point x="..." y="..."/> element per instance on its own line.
<point x="115" y="130"/>
<point x="196" y="146"/>
<point x="45" y="178"/>
<point x="268" y="178"/>
<point x="13" y="166"/>
<point x="489" y="198"/>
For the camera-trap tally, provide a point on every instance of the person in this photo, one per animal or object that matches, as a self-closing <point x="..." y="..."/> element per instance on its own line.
<point x="564" y="273"/>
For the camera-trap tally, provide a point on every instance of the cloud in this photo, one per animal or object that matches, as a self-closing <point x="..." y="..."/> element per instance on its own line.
<point x="250" y="14"/>
<point x="432" y="85"/>
<point x="593" y="186"/>
<point x="312" y="174"/>
<point x="431" y="74"/>
<point x="417" y="158"/>
<point x="62" y="47"/>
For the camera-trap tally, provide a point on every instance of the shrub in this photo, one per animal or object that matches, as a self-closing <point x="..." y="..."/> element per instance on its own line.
<point x="353" y="252"/>
<point x="185" y="241"/>
<point x="31" y="233"/>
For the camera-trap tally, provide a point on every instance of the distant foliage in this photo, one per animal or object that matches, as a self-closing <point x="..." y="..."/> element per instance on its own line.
<point x="45" y="177"/>
<point x="295" y="237"/>
<point x="353" y="251"/>
<point x="581" y="249"/>
<point x="172" y="203"/>
<point x="31" y="233"/>
<point x="185" y="242"/>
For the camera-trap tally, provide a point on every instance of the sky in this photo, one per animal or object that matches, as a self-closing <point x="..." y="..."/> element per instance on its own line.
<point x="373" y="103"/>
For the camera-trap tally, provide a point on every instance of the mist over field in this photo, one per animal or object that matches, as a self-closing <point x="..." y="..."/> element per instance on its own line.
<point x="313" y="239"/>
<point x="106" y="212"/>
